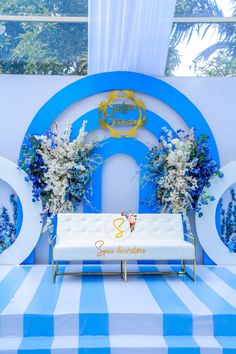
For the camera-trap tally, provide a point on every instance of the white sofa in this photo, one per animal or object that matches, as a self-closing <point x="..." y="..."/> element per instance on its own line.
<point x="108" y="237"/>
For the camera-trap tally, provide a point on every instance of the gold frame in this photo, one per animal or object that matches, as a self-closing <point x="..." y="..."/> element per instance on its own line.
<point x="123" y="267"/>
<point x="113" y="95"/>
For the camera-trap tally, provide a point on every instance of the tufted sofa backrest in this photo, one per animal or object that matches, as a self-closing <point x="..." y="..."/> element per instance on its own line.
<point x="100" y="226"/>
<point x="160" y="226"/>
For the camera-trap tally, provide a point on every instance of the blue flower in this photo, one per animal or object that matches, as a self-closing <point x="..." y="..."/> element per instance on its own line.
<point x="8" y="226"/>
<point x="203" y="168"/>
<point x="78" y="179"/>
<point x="228" y="223"/>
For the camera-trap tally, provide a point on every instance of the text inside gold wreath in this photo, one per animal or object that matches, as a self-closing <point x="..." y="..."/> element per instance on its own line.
<point x="123" y="108"/>
<point x="102" y="252"/>
<point x="124" y="122"/>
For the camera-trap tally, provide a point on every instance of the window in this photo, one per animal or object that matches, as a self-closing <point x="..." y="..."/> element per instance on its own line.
<point x="44" y="37"/>
<point x="204" y="8"/>
<point x="51" y="37"/>
<point x="203" y="39"/>
<point x="44" y="7"/>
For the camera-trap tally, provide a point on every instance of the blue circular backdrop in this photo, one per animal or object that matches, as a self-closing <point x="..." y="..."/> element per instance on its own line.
<point x="94" y="84"/>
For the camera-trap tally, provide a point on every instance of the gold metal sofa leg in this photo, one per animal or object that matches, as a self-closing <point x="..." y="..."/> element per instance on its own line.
<point x="53" y="272"/>
<point x="56" y="269"/>
<point x="183" y="268"/>
<point x="194" y="276"/>
<point x="194" y="270"/>
<point x="124" y="273"/>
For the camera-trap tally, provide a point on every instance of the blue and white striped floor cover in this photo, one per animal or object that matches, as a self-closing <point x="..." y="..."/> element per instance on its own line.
<point x="104" y="315"/>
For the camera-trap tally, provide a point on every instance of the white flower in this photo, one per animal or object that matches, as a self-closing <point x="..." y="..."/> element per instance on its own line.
<point x="59" y="154"/>
<point x="172" y="158"/>
<point x="180" y="153"/>
<point x="176" y="185"/>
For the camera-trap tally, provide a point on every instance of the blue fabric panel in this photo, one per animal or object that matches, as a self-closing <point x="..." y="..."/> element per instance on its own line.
<point x="99" y="346"/>
<point x="93" y="312"/>
<point x="11" y="283"/>
<point x="176" y="345"/>
<point x="177" y="319"/>
<point x="39" y="315"/>
<point x="91" y="262"/>
<point x="225" y="274"/>
<point x="224" y="314"/>
<point x="228" y="344"/>
<point x="94" y="351"/>
<point x="35" y="345"/>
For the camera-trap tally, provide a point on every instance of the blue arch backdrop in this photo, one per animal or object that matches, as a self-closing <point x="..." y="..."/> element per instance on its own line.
<point x="111" y="146"/>
<point x="141" y="83"/>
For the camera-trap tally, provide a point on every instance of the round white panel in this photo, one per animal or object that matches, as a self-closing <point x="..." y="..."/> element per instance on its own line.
<point x="206" y="225"/>
<point x="31" y="226"/>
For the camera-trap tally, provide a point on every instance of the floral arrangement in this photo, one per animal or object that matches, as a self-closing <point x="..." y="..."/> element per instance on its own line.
<point x="179" y="169"/>
<point x="228" y="223"/>
<point x="131" y="219"/>
<point x="60" y="170"/>
<point x="8" y="226"/>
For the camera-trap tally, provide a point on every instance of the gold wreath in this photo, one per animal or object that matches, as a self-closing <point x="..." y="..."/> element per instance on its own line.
<point x="113" y="95"/>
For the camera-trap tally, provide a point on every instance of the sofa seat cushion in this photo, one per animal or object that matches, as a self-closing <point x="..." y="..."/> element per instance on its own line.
<point x="71" y="250"/>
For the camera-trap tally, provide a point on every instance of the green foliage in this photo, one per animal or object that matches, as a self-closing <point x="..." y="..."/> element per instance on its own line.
<point x="220" y="58"/>
<point x="216" y="60"/>
<point x="44" y="7"/>
<point x="44" y="48"/>
<point x="173" y="60"/>
<point x="220" y="65"/>
<point x="197" y="8"/>
<point x="23" y="7"/>
<point x="184" y="31"/>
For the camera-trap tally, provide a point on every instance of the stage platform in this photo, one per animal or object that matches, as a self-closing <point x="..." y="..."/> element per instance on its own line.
<point x="103" y="315"/>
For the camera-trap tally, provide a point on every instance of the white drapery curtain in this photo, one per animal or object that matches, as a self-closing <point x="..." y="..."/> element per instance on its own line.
<point x="129" y="35"/>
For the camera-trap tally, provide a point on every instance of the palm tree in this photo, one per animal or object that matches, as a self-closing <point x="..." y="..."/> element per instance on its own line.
<point x="192" y="8"/>
<point x="219" y="59"/>
<point x="223" y="52"/>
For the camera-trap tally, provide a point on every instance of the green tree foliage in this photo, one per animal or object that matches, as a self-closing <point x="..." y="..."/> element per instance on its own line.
<point x="44" y="48"/>
<point x="192" y="8"/>
<point x="220" y="65"/>
<point x="173" y="60"/>
<point x="219" y="58"/>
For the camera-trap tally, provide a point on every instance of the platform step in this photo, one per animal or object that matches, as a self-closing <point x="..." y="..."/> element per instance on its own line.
<point x="118" y="345"/>
<point x="100" y="324"/>
<point x="30" y="305"/>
